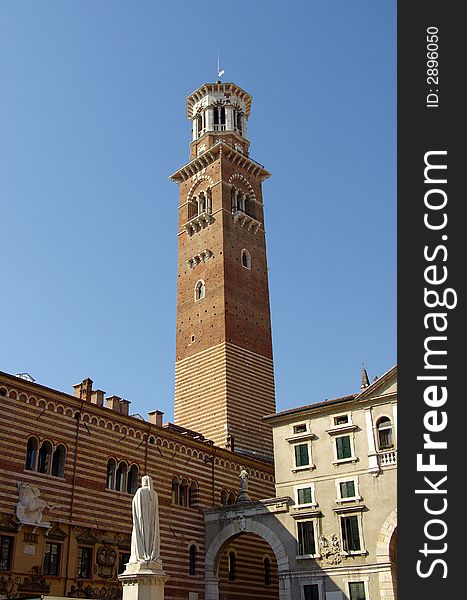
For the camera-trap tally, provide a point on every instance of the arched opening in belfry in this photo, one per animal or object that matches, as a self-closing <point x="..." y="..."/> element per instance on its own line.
<point x="247" y="569"/>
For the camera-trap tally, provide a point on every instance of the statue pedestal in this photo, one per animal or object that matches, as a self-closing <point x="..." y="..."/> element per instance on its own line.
<point x="143" y="581"/>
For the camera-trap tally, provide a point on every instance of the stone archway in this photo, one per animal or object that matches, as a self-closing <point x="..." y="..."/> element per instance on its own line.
<point x="386" y="549"/>
<point x="234" y="528"/>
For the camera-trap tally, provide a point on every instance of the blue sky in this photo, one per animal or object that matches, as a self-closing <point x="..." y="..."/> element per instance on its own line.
<point x="92" y="123"/>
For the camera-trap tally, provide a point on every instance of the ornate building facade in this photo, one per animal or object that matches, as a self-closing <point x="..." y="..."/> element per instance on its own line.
<point x="69" y="466"/>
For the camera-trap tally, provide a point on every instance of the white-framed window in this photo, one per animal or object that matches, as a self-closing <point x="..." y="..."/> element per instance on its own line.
<point x="344" y="448"/>
<point x="311" y="589"/>
<point x="302" y="456"/>
<point x="357" y="588"/>
<point x="300" y="428"/>
<point x="246" y="259"/>
<point x="351" y="529"/>
<point x="347" y="489"/>
<point x="307" y="538"/>
<point x="305" y="495"/>
<point x="341" y="420"/>
<point x="200" y="290"/>
<point x="385" y="435"/>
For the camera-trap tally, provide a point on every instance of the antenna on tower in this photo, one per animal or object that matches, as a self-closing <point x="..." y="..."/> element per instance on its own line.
<point x="219" y="71"/>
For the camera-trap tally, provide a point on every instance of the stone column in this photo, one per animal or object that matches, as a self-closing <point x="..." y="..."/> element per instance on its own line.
<point x="373" y="466"/>
<point x="209" y="116"/>
<point x="143" y="581"/>
<point x="229" y="118"/>
<point x="211" y="587"/>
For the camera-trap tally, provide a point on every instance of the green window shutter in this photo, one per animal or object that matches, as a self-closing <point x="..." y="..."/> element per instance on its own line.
<point x="357" y="590"/>
<point x="301" y="455"/>
<point x="306" y="538"/>
<point x="355" y="534"/>
<point x="304" y="496"/>
<point x="343" y="447"/>
<point x="347" y="489"/>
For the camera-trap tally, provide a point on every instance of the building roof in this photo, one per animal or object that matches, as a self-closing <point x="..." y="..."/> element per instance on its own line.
<point x="300" y="409"/>
<point x="342" y="400"/>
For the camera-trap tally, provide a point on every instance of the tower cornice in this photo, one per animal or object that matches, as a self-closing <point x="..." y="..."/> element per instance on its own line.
<point x="212" y="154"/>
<point x="207" y="88"/>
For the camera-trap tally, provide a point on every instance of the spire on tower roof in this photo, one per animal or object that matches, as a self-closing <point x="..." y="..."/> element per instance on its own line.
<point x="365" y="379"/>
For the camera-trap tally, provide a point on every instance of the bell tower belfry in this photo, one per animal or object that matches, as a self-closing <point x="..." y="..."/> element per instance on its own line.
<point x="224" y="376"/>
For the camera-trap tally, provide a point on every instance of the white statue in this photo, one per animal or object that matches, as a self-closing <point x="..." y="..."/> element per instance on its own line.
<point x="145" y="537"/>
<point x="30" y="505"/>
<point x="243" y="480"/>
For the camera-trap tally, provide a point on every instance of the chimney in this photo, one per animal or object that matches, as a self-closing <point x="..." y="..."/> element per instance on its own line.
<point x="124" y="406"/>
<point x="113" y="402"/>
<point x="83" y="390"/>
<point x="97" y="397"/>
<point x="155" y="417"/>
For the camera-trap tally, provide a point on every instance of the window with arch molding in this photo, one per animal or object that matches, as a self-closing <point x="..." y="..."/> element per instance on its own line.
<point x="111" y="470"/>
<point x="193" y="499"/>
<point x="132" y="479"/>
<point x="31" y="454"/>
<point x="192" y="568"/>
<point x="232" y="566"/>
<point x="121" y="477"/>
<point x="200" y="290"/>
<point x="44" y="460"/>
<point x="58" y="461"/>
<point x="246" y="259"/>
<point x="384" y="429"/>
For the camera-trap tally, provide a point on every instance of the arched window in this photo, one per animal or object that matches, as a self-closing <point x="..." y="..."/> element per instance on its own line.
<point x="175" y="490"/>
<point x="120" y="477"/>
<point x="192" y="208"/>
<point x="267" y="571"/>
<point x="232" y="566"/>
<point x="200" y="290"/>
<point x="201" y="203"/>
<point x="219" y="118"/>
<point x="200" y="124"/>
<point x="58" y="461"/>
<point x="44" y="459"/>
<point x="111" y="469"/>
<point x="384" y="428"/>
<point x="234" y="200"/>
<point x="246" y="259"/>
<point x="241" y="202"/>
<point x="192" y="570"/>
<point x="193" y="494"/>
<point x="231" y="499"/>
<point x="224" y="498"/>
<point x="132" y="480"/>
<point x="31" y="453"/>
<point x="183" y="499"/>
<point x="238" y="119"/>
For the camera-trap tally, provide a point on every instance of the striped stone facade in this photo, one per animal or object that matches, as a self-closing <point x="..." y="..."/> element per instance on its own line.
<point x="224" y="369"/>
<point x="236" y="387"/>
<point x="86" y="514"/>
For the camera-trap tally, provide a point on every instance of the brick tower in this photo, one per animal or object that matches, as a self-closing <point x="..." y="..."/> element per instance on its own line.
<point x="224" y="377"/>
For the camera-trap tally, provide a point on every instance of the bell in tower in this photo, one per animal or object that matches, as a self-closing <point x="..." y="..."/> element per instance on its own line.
<point x="224" y="376"/>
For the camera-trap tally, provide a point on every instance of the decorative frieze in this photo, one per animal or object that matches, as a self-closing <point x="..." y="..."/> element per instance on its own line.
<point x="198" y="223"/>
<point x="202" y="256"/>
<point x="245" y="220"/>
